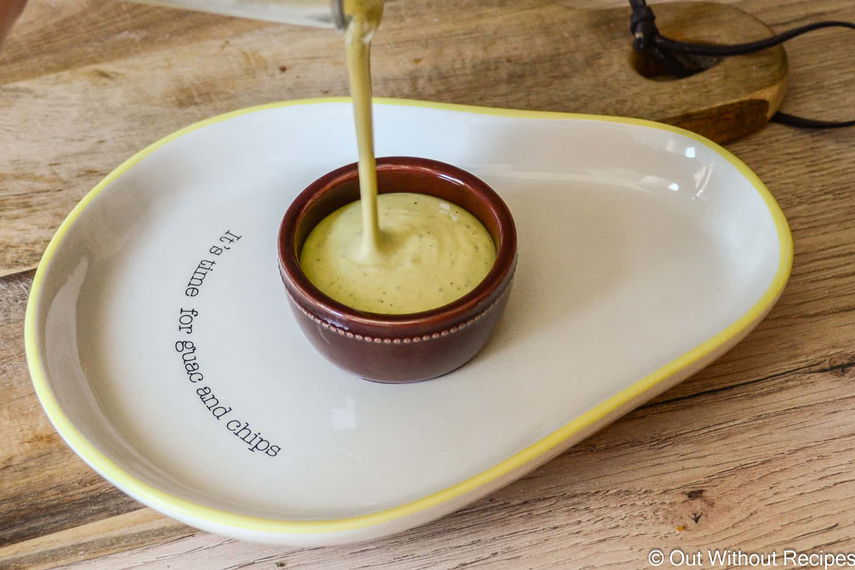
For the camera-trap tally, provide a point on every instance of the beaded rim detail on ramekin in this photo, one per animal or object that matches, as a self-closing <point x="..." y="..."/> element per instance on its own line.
<point x="398" y="340"/>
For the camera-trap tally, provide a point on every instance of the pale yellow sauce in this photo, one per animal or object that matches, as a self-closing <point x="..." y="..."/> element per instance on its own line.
<point x="401" y="253"/>
<point x="431" y="253"/>
<point x="364" y="18"/>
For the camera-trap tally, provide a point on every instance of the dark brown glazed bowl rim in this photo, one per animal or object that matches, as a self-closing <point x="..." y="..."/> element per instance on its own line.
<point x="498" y="276"/>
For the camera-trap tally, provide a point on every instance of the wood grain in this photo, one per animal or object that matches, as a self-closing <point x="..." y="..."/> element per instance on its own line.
<point x="102" y="79"/>
<point x="755" y="452"/>
<point x="117" y="533"/>
<point x="590" y="508"/>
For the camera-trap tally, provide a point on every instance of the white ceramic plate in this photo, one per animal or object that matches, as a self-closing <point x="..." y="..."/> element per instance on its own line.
<point x="645" y="252"/>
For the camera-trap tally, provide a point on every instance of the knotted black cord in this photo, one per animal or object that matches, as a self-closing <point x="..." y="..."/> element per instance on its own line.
<point x="671" y="53"/>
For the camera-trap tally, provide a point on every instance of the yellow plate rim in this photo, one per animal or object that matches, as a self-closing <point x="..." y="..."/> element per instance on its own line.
<point x="170" y="503"/>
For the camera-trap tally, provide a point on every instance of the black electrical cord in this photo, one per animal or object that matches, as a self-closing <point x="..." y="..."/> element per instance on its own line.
<point x="648" y="40"/>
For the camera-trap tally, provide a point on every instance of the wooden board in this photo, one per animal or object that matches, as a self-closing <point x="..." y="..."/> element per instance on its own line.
<point x="755" y="452"/>
<point x="95" y="81"/>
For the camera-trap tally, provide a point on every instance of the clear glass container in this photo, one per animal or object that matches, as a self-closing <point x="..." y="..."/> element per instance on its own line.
<point x="318" y="13"/>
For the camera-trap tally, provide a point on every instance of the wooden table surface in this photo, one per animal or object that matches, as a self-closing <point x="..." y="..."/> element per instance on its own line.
<point x="756" y="452"/>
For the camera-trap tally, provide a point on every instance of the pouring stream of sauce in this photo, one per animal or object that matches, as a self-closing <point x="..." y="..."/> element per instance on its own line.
<point x="425" y="253"/>
<point x="364" y="17"/>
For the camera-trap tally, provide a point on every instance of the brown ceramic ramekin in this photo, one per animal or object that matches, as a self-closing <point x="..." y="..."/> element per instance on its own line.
<point x="410" y="347"/>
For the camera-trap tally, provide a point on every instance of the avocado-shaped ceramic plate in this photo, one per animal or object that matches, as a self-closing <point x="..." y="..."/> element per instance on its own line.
<point x="162" y="347"/>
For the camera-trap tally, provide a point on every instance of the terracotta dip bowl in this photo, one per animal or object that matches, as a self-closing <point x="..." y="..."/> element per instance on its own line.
<point x="409" y="347"/>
